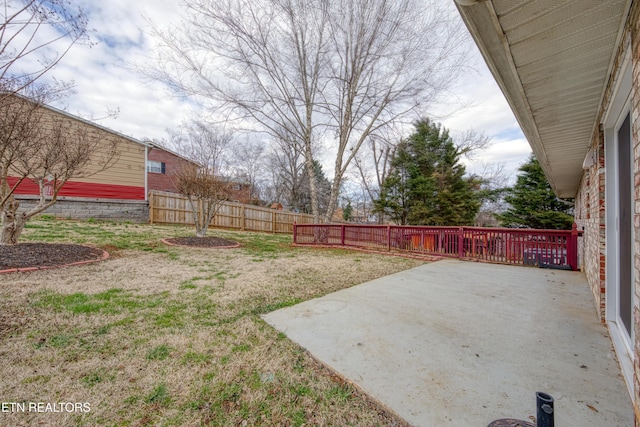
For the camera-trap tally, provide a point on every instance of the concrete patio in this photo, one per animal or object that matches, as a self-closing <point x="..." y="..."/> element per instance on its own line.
<point x="456" y="343"/>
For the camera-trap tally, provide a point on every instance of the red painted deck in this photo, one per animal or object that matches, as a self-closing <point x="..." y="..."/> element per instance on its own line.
<point x="552" y="248"/>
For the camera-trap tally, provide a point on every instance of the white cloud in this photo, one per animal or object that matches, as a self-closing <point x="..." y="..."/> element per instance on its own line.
<point x="484" y="108"/>
<point x="101" y="73"/>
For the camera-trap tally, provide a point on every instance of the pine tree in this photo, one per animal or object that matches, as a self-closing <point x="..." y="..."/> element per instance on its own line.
<point x="347" y="212"/>
<point x="427" y="184"/>
<point x="323" y="188"/>
<point x="533" y="202"/>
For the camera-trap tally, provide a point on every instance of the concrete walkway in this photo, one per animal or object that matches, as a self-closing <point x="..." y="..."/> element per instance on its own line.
<point x="456" y="343"/>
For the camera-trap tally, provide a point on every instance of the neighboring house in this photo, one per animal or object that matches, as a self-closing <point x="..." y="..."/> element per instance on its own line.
<point x="338" y="215"/>
<point x="119" y="192"/>
<point x="240" y="192"/>
<point x="570" y="71"/>
<point x="162" y="164"/>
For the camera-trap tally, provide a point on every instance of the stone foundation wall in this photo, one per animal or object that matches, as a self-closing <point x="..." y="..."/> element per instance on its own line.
<point x="104" y="209"/>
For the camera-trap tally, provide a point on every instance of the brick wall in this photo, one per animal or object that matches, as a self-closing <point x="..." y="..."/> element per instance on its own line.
<point x="163" y="181"/>
<point x="635" y="141"/>
<point x="590" y="199"/>
<point x="590" y="216"/>
<point x="104" y="209"/>
<point x="240" y="193"/>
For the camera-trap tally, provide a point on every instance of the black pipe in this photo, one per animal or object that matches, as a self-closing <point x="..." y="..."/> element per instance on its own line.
<point x="544" y="407"/>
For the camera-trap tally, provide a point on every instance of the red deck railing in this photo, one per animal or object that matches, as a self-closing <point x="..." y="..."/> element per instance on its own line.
<point x="550" y="248"/>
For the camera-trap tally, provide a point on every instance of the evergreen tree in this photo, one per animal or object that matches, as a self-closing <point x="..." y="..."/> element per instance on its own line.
<point x="323" y="187"/>
<point x="347" y="212"/>
<point x="533" y="202"/>
<point x="427" y="183"/>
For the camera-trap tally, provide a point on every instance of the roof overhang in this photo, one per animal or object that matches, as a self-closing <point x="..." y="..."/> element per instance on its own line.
<point x="552" y="60"/>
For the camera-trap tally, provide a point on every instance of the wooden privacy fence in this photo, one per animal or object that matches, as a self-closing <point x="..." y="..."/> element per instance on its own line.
<point x="171" y="208"/>
<point x="545" y="248"/>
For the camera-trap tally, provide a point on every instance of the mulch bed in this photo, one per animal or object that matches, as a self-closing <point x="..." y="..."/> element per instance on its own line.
<point x="34" y="256"/>
<point x="202" y="242"/>
<point x="41" y="255"/>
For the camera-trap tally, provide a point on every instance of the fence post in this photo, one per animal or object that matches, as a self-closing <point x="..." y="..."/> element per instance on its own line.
<point x="295" y="232"/>
<point x="342" y="235"/>
<point x="151" y="207"/>
<point x="572" y="248"/>
<point x="242" y="218"/>
<point x="460" y="242"/>
<point x="273" y="222"/>
<point x="388" y="237"/>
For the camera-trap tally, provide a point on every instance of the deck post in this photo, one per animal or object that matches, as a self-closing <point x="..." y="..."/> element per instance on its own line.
<point x="572" y="248"/>
<point x="460" y="242"/>
<point x="388" y="237"/>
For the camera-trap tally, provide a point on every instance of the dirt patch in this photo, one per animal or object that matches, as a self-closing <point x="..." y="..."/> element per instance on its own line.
<point x="26" y="255"/>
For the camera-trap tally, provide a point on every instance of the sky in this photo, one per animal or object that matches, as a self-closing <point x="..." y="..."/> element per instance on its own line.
<point x="106" y="81"/>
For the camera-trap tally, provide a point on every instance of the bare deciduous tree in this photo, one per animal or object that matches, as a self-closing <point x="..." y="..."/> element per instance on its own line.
<point x="205" y="192"/>
<point x="38" y="146"/>
<point x="287" y="165"/>
<point x="31" y="31"/>
<point x="249" y="166"/>
<point x="204" y="143"/>
<point x="471" y="141"/>
<point x="203" y="183"/>
<point x="331" y="70"/>
<point x="393" y="58"/>
<point x="261" y="60"/>
<point x="494" y="183"/>
<point x="373" y="163"/>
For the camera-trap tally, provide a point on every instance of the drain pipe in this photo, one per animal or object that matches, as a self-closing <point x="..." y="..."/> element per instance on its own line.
<point x="544" y="414"/>
<point x="544" y="407"/>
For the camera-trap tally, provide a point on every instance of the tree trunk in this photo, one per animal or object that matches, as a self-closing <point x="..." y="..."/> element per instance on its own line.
<point x="313" y="187"/>
<point x="12" y="223"/>
<point x="195" y="209"/>
<point x="336" y="183"/>
<point x="333" y="199"/>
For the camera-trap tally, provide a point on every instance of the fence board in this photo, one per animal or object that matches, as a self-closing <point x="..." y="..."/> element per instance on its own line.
<point x="171" y="208"/>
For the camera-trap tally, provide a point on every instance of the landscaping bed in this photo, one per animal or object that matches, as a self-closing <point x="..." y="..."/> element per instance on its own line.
<point x="25" y="255"/>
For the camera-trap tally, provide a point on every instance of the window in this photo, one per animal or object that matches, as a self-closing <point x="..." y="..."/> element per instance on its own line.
<point x="155" y="167"/>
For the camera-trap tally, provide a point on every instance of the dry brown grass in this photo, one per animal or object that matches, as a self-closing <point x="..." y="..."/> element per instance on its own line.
<point x="172" y="336"/>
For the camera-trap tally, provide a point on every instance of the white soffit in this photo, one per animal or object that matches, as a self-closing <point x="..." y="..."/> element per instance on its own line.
<point x="552" y="60"/>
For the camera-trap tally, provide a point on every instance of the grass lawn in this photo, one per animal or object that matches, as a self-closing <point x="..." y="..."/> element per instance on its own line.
<point x="171" y="336"/>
